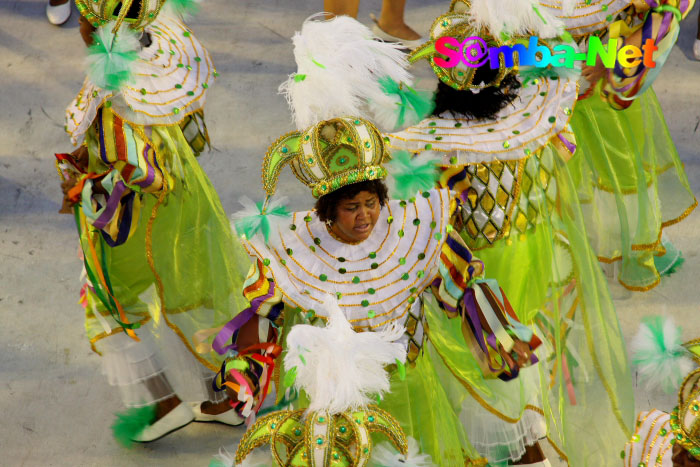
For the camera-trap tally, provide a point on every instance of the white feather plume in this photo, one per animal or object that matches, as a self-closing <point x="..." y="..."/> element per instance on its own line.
<point x="384" y="455"/>
<point x="659" y="356"/>
<point x="383" y="108"/>
<point x="339" y="63"/>
<point x="339" y="368"/>
<point x="515" y="17"/>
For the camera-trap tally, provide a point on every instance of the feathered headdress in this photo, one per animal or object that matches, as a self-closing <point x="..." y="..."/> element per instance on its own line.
<point x="341" y="371"/>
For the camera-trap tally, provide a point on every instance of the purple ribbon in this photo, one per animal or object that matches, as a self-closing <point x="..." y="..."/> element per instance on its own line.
<point x="111" y="207"/>
<point x="230" y="329"/>
<point x="150" y="171"/>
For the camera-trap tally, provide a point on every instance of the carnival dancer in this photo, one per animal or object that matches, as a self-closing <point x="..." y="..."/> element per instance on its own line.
<point x="157" y="247"/>
<point x="630" y="180"/>
<point x="384" y="260"/>
<point x="503" y="141"/>
<point x="665" y="439"/>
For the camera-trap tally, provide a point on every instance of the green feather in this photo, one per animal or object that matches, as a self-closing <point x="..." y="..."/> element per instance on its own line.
<point x="131" y="422"/>
<point x="414" y="105"/>
<point x="259" y="218"/>
<point x="111" y="57"/>
<point x="401" y="368"/>
<point x="409" y="176"/>
<point x="184" y="8"/>
<point x="659" y="355"/>
<point x="290" y="377"/>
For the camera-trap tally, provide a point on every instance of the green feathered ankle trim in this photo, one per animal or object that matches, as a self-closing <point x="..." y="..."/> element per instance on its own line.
<point x="131" y="422"/>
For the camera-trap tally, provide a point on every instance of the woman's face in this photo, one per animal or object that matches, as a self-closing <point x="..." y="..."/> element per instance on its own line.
<point x="355" y="217"/>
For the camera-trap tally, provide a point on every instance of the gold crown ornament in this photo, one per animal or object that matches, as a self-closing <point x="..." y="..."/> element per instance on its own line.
<point x="101" y="12"/>
<point x="328" y="156"/>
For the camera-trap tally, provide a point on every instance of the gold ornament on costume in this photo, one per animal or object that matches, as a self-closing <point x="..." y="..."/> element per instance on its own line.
<point x="319" y="439"/>
<point x="685" y="419"/>
<point x="457" y="23"/>
<point x="100" y="12"/>
<point x="328" y="156"/>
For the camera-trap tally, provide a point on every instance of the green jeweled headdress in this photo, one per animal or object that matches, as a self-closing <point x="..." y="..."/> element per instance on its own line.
<point x="328" y="156"/>
<point x="101" y="12"/>
<point x="297" y="438"/>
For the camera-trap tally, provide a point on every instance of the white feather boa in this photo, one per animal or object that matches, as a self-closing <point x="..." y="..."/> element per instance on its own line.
<point x="339" y="368"/>
<point x="339" y="63"/>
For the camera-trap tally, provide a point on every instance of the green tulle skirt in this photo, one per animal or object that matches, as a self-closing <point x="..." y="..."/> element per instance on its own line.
<point x="181" y="267"/>
<point x="630" y="182"/>
<point x="541" y="257"/>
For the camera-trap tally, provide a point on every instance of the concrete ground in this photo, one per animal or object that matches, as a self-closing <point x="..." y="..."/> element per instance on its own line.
<point x="56" y="407"/>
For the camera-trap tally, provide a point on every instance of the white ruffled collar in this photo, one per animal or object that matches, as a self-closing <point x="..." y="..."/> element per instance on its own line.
<point x="377" y="280"/>
<point x="541" y="111"/>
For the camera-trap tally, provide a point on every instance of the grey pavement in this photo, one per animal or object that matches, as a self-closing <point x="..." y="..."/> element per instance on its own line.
<point x="55" y="406"/>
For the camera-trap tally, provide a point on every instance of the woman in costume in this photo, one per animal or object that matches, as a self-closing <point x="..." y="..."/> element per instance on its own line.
<point x="504" y="143"/>
<point x="157" y="246"/>
<point x="385" y="261"/>
<point x="630" y="180"/>
<point x="665" y="439"/>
